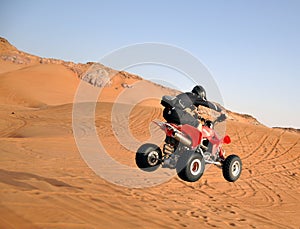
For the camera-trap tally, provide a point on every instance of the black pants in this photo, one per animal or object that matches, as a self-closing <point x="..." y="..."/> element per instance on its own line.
<point x="179" y="117"/>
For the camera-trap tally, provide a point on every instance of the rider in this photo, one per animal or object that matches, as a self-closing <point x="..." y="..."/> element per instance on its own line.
<point x="186" y="111"/>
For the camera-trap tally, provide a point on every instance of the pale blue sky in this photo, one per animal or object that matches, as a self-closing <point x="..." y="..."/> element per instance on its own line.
<point x="251" y="47"/>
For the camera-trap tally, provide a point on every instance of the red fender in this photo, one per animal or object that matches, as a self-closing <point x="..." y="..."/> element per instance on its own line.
<point x="193" y="133"/>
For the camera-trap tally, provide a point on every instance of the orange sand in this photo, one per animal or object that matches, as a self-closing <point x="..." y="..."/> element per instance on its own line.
<point x="45" y="183"/>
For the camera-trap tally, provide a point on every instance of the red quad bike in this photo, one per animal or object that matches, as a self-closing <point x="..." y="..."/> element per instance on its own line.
<point x="187" y="150"/>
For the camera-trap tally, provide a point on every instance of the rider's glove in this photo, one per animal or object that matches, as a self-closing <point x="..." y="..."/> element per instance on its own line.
<point x="222" y="117"/>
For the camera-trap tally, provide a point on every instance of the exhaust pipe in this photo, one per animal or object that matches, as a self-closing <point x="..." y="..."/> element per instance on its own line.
<point x="181" y="138"/>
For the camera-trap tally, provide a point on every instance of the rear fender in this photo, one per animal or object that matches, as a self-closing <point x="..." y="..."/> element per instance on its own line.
<point x="194" y="134"/>
<point x="168" y="128"/>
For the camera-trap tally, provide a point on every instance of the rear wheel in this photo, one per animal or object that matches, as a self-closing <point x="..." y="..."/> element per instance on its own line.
<point x="232" y="168"/>
<point x="148" y="157"/>
<point x="190" y="166"/>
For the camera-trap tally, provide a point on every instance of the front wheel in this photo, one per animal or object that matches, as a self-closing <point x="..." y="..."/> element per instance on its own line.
<point x="190" y="166"/>
<point x="148" y="157"/>
<point x="232" y="168"/>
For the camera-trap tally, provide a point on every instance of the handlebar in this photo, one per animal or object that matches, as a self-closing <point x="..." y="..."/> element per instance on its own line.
<point x="219" y="119"/>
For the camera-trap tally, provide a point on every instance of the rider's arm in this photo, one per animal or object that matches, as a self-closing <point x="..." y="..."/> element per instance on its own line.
<point x="201" y="102"/>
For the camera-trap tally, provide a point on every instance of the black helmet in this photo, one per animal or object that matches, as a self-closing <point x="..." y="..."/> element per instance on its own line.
<point x="199" y="90"/>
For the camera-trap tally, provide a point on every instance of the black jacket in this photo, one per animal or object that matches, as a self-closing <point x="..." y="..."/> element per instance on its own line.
<point x="189" y="99"/>
<point x="178" y="115"/>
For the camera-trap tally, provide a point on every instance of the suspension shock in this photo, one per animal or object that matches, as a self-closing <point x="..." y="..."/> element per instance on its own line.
<point x="168" y="149"/>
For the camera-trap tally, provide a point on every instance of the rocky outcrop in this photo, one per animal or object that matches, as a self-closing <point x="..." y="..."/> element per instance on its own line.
<point x="98" y="75"/>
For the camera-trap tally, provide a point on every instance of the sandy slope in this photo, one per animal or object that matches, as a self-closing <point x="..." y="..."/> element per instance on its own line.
<point x="45" y="183"/>
<point x="36" y="85"/>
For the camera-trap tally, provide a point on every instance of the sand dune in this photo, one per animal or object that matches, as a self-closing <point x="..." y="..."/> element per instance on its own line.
<point x="36" y="85"/>
<point x="45" y="183"/>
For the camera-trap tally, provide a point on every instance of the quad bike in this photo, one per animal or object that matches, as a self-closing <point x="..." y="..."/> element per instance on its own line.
<point x="188" y="150"/>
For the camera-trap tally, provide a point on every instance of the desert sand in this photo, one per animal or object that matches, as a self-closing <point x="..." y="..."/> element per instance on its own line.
<point x="45" y="183"/>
